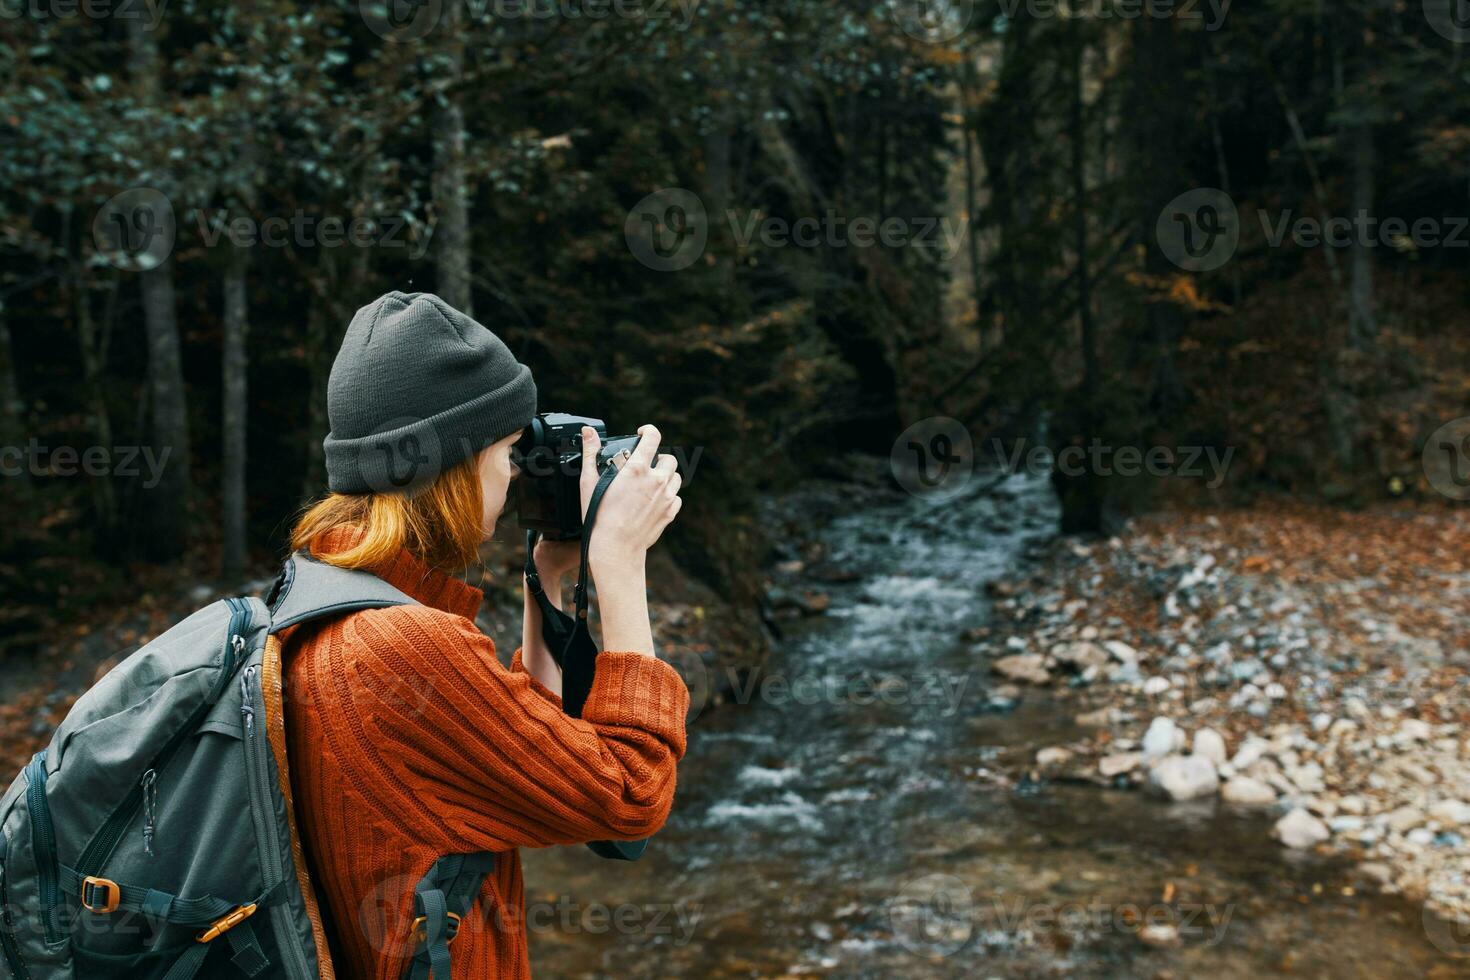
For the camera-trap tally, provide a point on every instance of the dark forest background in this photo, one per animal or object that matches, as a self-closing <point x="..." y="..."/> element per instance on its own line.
<point x="502" y="157"/>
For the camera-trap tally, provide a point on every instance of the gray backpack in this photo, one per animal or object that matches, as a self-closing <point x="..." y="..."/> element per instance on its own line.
<point x="154" y="837"/>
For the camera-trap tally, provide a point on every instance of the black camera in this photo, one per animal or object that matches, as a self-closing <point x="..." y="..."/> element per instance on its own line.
<point x="549" y="454"/>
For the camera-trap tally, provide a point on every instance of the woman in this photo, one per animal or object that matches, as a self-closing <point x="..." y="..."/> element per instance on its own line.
<point x="408" y="740"/>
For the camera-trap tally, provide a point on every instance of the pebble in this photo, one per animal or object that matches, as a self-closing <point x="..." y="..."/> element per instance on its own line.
<point x="1160" y="935"/>
<point x="1414" y="730"/>
<point x="1162" y="738"/>
<point x="1210" y="744"/>
<point x="1247" y="792"/>
<point x="1184" y="777"/>
<point x="1451" y="812"/>
<point x="1027" y="667"/>
<point x="1054" y="756"/>
<point x="1119" y="763"/>
<point x="1300" y="829"/>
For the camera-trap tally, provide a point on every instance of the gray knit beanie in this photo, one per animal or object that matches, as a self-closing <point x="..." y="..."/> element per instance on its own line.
<point x="417" y="387"/>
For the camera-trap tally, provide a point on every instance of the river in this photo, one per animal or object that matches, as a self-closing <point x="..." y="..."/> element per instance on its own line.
<point x="849" y="820"/>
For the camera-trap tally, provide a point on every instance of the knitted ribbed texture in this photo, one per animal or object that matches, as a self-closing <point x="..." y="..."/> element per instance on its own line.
<point x="408" y="740"/>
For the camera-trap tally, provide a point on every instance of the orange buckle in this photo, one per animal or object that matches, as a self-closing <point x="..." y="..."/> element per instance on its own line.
<point x="90" y="887"/>
<point x="227" y="923"/>
<point x="421" y="935"/>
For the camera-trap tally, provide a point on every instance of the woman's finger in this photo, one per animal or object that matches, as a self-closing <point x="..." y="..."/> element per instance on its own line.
<point x="647" y="445"/>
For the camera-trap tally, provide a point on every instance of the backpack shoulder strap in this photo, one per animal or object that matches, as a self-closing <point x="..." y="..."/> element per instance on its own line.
<point x="441" y="900"/>
<point x="309" y="589"/>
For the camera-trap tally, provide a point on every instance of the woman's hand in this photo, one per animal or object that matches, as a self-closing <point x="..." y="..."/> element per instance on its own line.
<point x="635" y="509"/>
<point x="637" y="505"/>
<point x="555" y="560"/>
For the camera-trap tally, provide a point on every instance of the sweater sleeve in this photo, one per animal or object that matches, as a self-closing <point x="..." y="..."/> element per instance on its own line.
<point x="518" y="665"/>
<point x="490" y="760"/>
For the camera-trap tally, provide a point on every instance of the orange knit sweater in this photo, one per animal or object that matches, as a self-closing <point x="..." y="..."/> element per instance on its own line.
<point x="408" y="740"/>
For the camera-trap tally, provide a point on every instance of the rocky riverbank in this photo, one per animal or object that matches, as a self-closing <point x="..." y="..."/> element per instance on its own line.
<point x="1300" y="659"/>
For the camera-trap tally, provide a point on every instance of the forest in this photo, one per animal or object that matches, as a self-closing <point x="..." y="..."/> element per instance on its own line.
<point x="198" y="195"/>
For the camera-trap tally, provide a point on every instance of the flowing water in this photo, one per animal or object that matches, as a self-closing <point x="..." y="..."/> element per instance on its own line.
<point x="848" y="821"/>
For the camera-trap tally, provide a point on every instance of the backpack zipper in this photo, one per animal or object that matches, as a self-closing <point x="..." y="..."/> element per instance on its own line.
<point x="43" y="845"/>
<point x="252" y="703"/>
<point x="95" y="857"/>
<point x="7" y="924"/>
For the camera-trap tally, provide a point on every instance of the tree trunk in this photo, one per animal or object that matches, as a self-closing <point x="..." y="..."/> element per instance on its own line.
<point x="1086" y="328"/>
<point x="12" y="426"/>
<point x="94" y="358"/>
<point x="1159" y="62"/>
<point x="168" y="502"/>
<point x="451" y="196"/>
<point x="234" y="414"/>
<point x="1363" y="321"/>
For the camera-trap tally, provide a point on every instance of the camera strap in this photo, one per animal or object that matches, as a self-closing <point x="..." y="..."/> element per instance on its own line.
<point x="567" y="637"/>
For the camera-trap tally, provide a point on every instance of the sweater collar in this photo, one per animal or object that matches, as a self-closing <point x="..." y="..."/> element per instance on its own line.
<point x="406" y="573"/>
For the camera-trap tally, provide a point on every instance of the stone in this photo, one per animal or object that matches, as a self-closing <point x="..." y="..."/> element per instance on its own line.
<point x="1118" y="764"/>
<point x="1184" y="777"/>
<point x="1451" y="813"/>
<point x="1162" y="738"/>
<point x="1053" y="756"/>
<point x="1210" y="744"/>
<point x="1121" y="652"/>
<point x="814" y="603"/>
<point x="1300" y="829"/>
<point x="1247" y="792"/>
<point x="1251" y="751"/>
<point x="1027" y="667"/>
<point x="1420" y="836"/>
<point x="1307" y="778"/>
<point x="1404" y="818"/>
<point x="1376" y="872"/>
<point x="1414" y="730"/>
<point x="1160" y="935"/>
<point x="1080" y="655"/>
<point x="1100" y="718"/>
<point x="1155" y="686"/>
